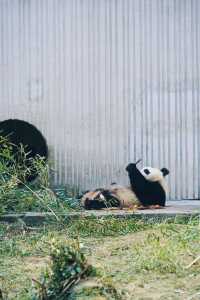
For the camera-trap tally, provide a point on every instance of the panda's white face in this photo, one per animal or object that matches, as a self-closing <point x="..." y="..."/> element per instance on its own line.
<point x="155" y="175"/>
<point x="152" y="174"/>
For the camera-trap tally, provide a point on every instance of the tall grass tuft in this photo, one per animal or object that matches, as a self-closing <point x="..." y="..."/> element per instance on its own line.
<point x="16" y="193"/>
<point x="68" y="267"/>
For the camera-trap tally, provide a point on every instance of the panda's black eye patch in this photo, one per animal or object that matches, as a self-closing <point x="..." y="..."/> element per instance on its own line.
<point x="146" y="171"/>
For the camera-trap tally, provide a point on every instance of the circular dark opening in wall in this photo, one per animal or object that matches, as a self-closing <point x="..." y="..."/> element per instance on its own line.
<point x="23" y="133"/>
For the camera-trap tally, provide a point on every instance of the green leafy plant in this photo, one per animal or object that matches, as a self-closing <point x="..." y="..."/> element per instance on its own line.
<point x="15" y="167"/>
<point x="19" y="195"/>
<point x="68" y="267"/>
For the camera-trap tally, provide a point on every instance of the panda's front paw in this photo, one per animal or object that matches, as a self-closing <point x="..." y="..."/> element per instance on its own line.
<point x="130" y="167"/>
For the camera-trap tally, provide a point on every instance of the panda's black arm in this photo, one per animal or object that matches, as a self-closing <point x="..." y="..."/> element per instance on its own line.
<point x="137" y="180"/>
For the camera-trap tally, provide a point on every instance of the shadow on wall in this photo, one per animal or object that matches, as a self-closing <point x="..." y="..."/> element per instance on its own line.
<point x="21" y="132"/>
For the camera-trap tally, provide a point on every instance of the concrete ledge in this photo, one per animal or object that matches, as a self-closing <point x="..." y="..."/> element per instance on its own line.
<point x="185" y="209"/>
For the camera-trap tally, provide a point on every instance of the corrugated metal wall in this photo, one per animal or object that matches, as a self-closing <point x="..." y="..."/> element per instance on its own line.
<point x="107" y="82"/>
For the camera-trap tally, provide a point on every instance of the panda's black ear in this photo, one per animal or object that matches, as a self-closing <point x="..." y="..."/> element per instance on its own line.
<point x="165" y="171"/>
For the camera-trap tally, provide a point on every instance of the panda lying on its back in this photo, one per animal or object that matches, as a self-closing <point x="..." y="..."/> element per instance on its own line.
<point x="148" y="184"/>
<point x="148" y="187"/>
<point x="112" y="196"/>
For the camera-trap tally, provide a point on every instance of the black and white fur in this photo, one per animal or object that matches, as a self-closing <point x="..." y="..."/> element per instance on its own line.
<point x="148" y="188"/>
<point x="112" y="196"/>
<point x="149" y="184"/>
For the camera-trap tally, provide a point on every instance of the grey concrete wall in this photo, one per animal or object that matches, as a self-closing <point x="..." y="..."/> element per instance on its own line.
<point x="107" y="82"/>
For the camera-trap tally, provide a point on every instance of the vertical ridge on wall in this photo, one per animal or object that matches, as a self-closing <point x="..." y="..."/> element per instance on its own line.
<point x="107" y="82"/>
<point x="197" y="32"/>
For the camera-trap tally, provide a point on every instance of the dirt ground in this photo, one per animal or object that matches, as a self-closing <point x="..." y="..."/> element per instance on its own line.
<point x="155" y="263"/>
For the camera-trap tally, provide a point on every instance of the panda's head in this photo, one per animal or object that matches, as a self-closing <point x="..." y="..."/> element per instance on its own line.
<point x="156" y="175"/>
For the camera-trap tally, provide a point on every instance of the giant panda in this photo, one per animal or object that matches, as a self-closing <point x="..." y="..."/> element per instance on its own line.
<point x="112" y="196"/>
<point x="148" y="188"/>
<point x="149" y="184"/>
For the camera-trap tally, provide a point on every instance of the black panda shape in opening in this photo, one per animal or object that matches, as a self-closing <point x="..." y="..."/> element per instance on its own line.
<point x="21" y="132"/>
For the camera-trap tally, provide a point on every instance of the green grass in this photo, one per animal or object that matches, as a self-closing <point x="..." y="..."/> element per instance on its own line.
<point x="138" y="259"/>
<point x="37" y="199"/>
